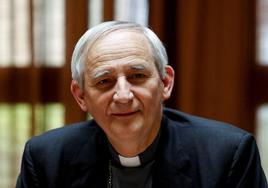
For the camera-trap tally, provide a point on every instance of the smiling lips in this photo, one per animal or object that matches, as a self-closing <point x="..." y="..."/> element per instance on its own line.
<point x="124" y="114"/>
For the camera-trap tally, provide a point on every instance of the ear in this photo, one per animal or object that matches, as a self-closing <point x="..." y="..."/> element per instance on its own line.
<point x="78" y="95"/>
<point x="168" y="82"/>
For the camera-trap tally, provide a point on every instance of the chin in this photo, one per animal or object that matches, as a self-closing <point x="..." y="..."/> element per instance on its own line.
<point x="127" y="129"/>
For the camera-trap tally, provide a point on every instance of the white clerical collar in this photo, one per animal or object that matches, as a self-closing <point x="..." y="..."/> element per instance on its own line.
<point x="129" y="161"/>
<point x="139" y="160"/>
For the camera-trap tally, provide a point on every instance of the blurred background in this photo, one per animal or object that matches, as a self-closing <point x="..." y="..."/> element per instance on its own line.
<point x="219" y="50"/>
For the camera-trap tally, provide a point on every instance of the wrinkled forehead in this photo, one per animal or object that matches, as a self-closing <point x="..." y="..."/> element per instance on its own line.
<point x="119" y="44"/>
<point x="129" y="38"/>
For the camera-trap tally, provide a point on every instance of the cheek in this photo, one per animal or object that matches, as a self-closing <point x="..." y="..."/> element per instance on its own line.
<point x="156" y="89"/>
<point x="150" y="93"/>
<point x="97" y="102"/>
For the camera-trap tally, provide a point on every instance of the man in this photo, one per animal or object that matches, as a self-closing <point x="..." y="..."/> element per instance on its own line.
<point x="121" y="77"/>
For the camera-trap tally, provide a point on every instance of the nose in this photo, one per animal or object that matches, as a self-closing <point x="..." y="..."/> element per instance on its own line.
<point x="123" y="93"/>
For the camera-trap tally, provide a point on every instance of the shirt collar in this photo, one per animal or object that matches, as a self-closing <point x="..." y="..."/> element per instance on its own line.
<point x="141" y="159"/>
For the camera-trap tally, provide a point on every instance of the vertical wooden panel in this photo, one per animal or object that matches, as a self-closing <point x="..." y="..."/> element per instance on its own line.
<point x="187" y="56"/>
<point x="108" y="10"/>
<point x="157" y="15"/>
<point x="215" y="57"/>
<point x="76" y="25"/>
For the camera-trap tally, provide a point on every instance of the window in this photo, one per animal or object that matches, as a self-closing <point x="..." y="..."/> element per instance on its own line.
<point x="15" y="130"/>
<point x="262" y="32"/>
<point x="14" y="38"/>
<point x="95" y="15"/>
<point x="262" y="74"/>
<point x="124" y="10"/>
<point x="16" y="127"/>
<point x="48" y="29"/>
<point x="129" y="10"/>
<point x="32" y="56"/>
<point x="49" y="33"/>
<point x="48" y="116"/>
<point x="261" y="134"/>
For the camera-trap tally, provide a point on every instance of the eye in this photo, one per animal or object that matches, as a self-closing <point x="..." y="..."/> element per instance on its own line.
<point x="104" y="83"/>
<point x="137" y="76"/>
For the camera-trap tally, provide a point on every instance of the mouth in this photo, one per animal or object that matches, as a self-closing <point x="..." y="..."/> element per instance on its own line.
<point x="124" y="114"/>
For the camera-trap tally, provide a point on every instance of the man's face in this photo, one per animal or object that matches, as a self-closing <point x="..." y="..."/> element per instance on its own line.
<point x="123" y="90"/>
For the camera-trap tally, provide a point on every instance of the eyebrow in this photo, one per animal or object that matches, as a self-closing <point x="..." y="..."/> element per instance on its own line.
<point x="102" y="73"/>
<point x="138" y="67"/>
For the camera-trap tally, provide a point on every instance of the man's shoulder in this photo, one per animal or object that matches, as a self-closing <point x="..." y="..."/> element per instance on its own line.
<point x="69" y="136"/>
<point x="202" y="131"/>
<point x="206" y="139"/>
<point x="192" y="122"/>
<point x="214" y="151"/>
<point x="67" y="131"/>
<point x="55" y="151"/>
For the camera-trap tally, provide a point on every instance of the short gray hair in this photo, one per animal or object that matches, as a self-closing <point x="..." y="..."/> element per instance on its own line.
<point x="87" y="41"/>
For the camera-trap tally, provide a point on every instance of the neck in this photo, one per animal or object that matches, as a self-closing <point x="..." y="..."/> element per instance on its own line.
<point x="132" y="147"/>
<point x="128" y="148"/>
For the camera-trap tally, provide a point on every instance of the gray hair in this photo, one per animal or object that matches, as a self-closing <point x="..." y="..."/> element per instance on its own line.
<point x="87" y="41"/>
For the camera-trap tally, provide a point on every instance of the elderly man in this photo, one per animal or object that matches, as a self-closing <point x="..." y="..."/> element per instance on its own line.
<point x="121" y="77"/>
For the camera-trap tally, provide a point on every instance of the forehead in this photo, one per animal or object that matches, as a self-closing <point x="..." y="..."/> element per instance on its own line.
<point x="120" y="46"/>
<point x="128" y="38"/>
